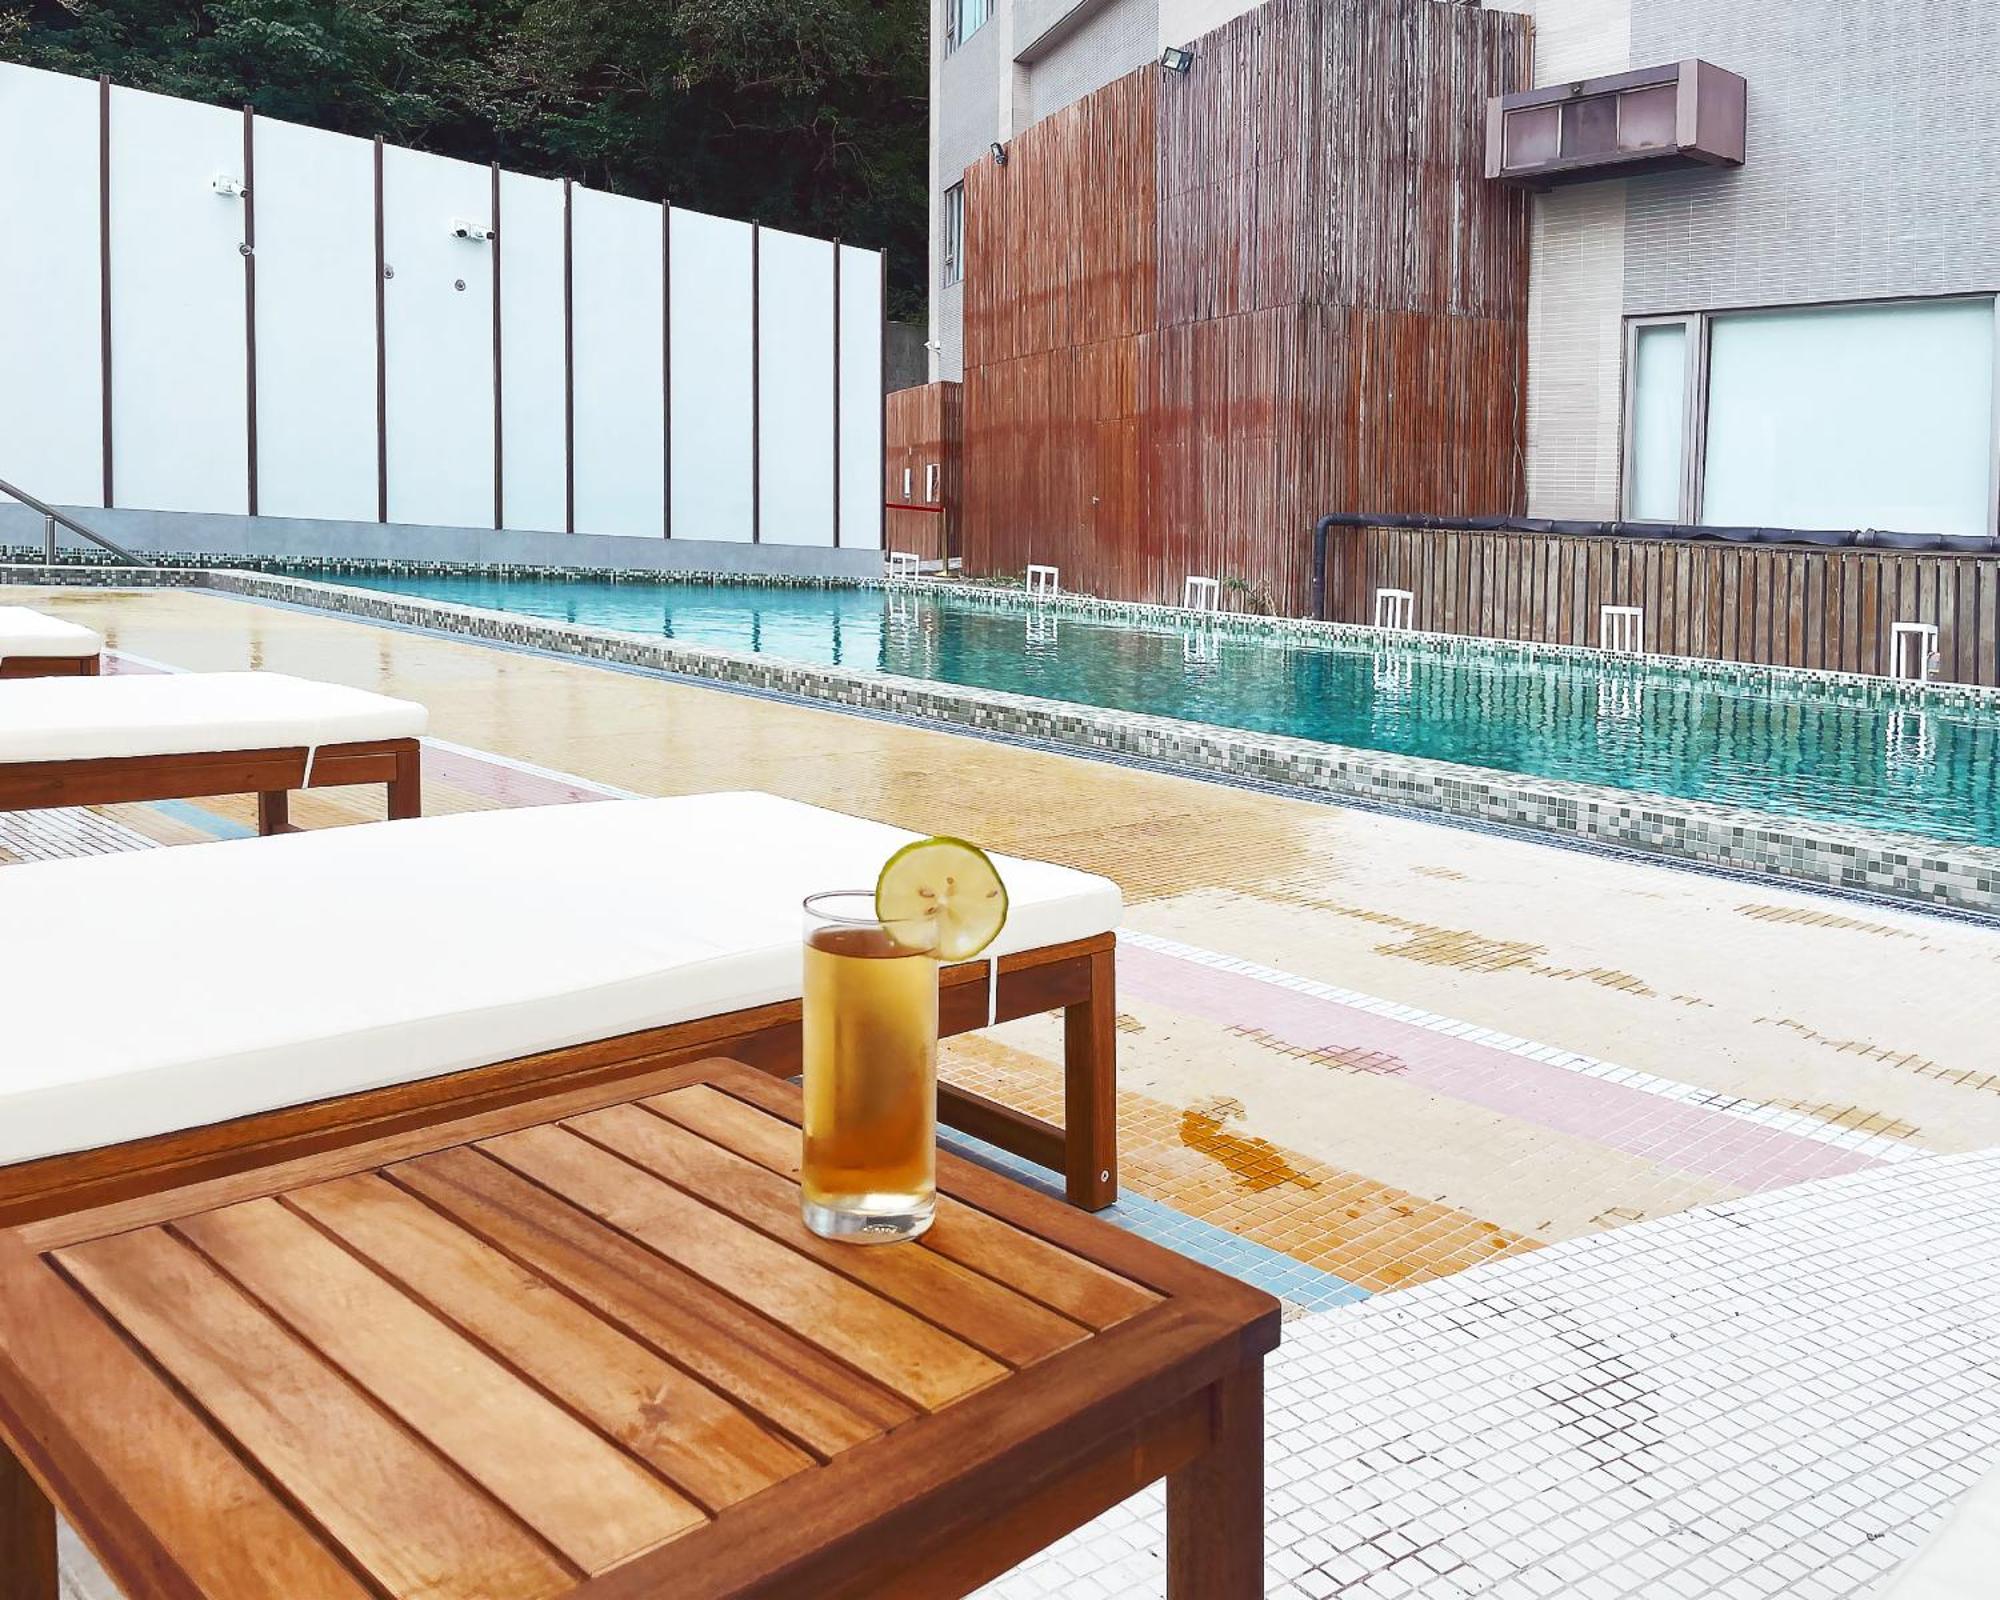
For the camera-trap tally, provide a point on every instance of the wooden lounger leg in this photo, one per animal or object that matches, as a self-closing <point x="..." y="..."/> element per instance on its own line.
<point x="27" y="1535"/>
<point x="406" y="789"/>
<point x="1090" y="1090"/>
<point x="91" y="667"/>
<point x="274" y="811"/>
<point x="1215" y="1504"/>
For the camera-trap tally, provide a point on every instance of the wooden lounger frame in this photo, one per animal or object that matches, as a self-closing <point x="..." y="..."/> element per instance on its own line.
<point x="271" y="775"/>
<point x="1077" y="978"/>
<point x="49" y="666"/>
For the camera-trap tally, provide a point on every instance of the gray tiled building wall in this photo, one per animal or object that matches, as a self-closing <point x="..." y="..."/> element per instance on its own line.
<point x="1105" y="43"/>
<point x="1870" y="169"/>
<point x="1867" y="176"/>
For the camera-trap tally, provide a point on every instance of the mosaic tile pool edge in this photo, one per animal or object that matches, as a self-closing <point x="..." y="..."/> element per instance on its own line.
<point x="1960" y="877"/>
<point x="16" y="566"/>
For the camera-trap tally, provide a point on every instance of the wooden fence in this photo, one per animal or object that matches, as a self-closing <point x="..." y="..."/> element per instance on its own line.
<point x="926" y="425"/>
<point x="1200" y="310"/>
<point x="1780" y="605"/>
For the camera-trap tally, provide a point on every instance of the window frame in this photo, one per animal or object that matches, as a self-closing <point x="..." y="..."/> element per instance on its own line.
<point x="951" y="236"/>
<point x="1694" y="415"/>
<point x="955" y="30"/>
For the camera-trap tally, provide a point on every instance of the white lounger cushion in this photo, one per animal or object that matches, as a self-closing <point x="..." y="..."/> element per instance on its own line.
<point x="1961" y="1561"/>
<point x="29" y="633"/>
<point x="181" y="713"/>
<point x="179" y="987"/>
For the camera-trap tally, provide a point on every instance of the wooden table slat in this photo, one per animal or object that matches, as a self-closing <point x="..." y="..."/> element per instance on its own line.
<point x="1079" y="1289"/>
<point x="580" y="1492"/>
<point x="918" y="1361"/>
<point x="985" y="1314"/>
<point x="202" y="1522"/>
<point x="586" y="1350"/>
<point x="396" y="1509"/>
<point x="763" y="1367"/>
<point x="713" y="1451"/>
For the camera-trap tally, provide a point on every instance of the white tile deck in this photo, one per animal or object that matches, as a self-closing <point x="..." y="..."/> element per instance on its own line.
<point x="1776" y="1396"/>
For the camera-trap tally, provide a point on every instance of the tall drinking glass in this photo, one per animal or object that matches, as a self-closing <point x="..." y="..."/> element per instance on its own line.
<point x="869" y="1173"/>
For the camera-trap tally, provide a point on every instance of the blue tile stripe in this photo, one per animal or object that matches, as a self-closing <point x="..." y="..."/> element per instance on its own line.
<point x="1293" y="1281"/>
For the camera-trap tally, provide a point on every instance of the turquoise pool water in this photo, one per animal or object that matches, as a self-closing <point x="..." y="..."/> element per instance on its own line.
<point x="1834" y="754"/>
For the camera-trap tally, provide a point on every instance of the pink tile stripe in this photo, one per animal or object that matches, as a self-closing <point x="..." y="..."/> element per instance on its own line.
<point x="1727" y="1149"/>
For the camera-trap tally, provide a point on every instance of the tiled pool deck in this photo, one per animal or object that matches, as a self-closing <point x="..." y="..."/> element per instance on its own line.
<point x="1359" y="1055"/>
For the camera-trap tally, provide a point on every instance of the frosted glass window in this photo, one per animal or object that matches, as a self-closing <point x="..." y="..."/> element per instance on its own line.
<point x="1659" y="421"/>
<point x="1852" y="417"/>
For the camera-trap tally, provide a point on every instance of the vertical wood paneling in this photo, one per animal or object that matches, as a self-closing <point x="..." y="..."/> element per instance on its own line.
<point x="1200" y="312"/>
<point x="1777" y="606"/>
<point x="924" y="426"/>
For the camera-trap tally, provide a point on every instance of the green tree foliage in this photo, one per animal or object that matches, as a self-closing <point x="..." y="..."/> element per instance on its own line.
<point x="806" y="114"/>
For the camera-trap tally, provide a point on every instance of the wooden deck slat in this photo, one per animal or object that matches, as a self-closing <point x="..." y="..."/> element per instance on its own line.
<point x="915" y="1359"/>
<point x="763" y="1367"/>
<point x="708" y="1447"/>
<point x="581" y="1493"/>
<point x="1077" y="1288"/>
<point x="985" y="1314"/>
<point x="396" y="1509"/>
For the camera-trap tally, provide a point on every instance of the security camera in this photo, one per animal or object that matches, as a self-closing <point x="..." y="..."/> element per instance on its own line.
<point x="478" y="232"/>
<point x="228" y="187"/>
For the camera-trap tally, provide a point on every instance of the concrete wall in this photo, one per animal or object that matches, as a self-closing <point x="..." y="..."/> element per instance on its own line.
<point x="222" y="537"/>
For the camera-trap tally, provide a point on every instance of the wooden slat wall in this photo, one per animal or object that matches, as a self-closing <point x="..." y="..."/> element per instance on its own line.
<point x="1775" y="605"/>
<point x="1201" y="312"/>
<point x="925" y="427"/>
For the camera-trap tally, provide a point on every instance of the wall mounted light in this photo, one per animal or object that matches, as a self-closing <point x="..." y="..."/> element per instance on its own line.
<point x="227" y="187"/>
<point x="998" y="152"/>
<point x="1176" y="60"/>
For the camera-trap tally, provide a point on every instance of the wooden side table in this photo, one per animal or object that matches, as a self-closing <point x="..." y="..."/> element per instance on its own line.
<point x="584" y="1347"/>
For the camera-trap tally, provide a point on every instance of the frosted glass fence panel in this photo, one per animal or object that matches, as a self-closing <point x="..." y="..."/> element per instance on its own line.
<point x="1853" y="416"/>
<point x="710" y="308"/>
<point x="316" y="447"/>
<point x="620" y="392"/>
<point x="51" y="421"/>
<point x="586" y="402"/>
<point x="531" y="352"/>
<point x="861" y="382"/>
<point x="796" y="390"/>
<point x="179" y="387"/>
<point x="1659" y="413"/>
<point x="439" y="330"/>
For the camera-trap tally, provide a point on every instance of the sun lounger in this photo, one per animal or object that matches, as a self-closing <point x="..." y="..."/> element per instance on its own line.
<point x="1961" y="1559"/>
<point x="36" y="646"/>
<point x="173" y="736"/>
<point x="183" y="1012"/>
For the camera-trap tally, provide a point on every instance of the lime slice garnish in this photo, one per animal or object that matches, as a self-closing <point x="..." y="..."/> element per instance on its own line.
<point x="943" y="896"/>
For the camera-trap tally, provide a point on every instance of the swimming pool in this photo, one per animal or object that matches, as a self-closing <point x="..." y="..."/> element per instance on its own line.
<point x="1833" y="753"/>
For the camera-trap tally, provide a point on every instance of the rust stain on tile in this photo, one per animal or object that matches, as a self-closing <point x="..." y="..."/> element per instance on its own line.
<point x="1449" y="874"/>
<point x="1806" y="917"/>
<point x="1127" y="1023"/>
<point x="1349" y="1058"/>
<point x="1889" y="1056"/>
<point x="1859" y="1118"/>
<point x="1257" y="1164"/>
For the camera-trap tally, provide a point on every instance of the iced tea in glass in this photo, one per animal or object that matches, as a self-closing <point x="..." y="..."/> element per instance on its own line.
<point x="869" y="1172"/>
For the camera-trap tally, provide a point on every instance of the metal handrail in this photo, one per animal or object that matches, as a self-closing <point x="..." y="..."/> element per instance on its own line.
<point x="52" y="518"/>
